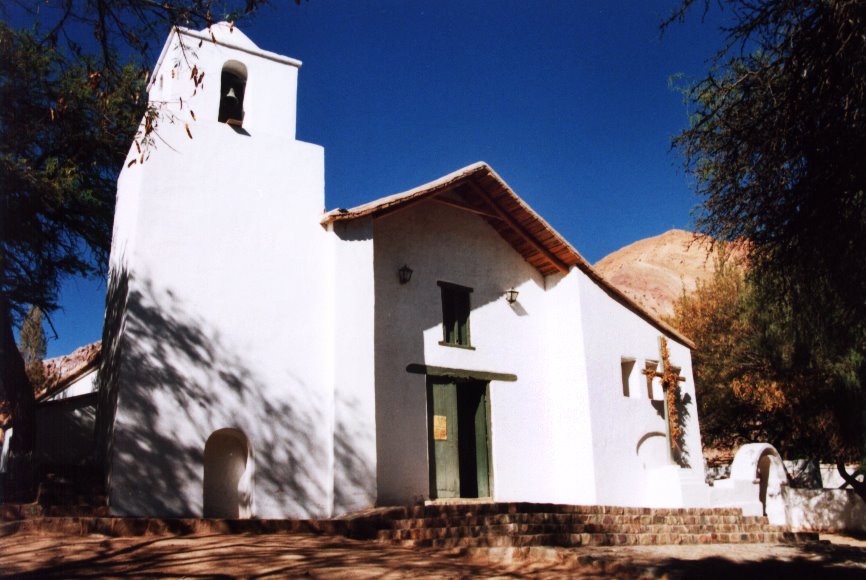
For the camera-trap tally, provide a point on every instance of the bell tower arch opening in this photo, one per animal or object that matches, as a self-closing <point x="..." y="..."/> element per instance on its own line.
<point x="233" y="85"/>
<point x="228" y="475"/>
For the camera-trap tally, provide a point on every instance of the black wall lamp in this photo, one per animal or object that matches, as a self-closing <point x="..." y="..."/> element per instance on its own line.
<point x="511" y="295"/>
<point x="405" y="274"/>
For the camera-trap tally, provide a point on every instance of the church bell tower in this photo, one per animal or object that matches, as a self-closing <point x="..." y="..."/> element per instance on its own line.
<point x="213" y="389"/>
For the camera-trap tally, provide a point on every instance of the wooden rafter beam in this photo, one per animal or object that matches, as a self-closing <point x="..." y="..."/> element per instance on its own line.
<point x="465" y="207"/>
<point x="512" y="223"/>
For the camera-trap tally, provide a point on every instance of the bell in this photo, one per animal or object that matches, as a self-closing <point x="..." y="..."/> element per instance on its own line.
<point x="231" y="97"/>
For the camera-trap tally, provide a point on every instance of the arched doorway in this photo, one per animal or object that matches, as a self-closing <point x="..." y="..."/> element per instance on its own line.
<point x="759" y="468"/>
<point x="228" y="469"/>
<point x="763" y="479"/>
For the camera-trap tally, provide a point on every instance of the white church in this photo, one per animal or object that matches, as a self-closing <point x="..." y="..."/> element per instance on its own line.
<point x="266" y="358"/>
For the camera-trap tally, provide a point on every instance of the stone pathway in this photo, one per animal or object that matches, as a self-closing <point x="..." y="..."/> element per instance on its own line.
<point x="319" y="556"/>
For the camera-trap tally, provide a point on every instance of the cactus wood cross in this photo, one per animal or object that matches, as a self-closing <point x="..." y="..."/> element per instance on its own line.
<point x="670" y="378"/>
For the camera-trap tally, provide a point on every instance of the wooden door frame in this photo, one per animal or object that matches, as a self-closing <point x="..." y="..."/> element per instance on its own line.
<point x="431" y="457"/>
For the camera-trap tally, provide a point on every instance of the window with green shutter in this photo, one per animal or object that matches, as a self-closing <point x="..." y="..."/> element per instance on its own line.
<point x="455" y="314"/>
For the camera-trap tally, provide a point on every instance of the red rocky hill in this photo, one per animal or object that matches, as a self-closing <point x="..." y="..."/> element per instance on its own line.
<point x="655" y="271"/>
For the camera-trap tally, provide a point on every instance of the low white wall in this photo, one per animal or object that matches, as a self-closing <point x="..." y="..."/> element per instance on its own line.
<point x="825" y="510"/>
<point x="757" y="467"/>
<point x="830" y="478"/>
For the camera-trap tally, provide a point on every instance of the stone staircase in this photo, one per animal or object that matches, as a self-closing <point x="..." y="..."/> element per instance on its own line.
<point x="520" y="525"/>
<point x="74" y="503"/>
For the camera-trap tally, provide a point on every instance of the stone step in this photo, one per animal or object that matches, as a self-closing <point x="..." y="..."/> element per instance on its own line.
<point x="522" y="525"/>
<point x="531" y="529"/>
<point x="599" y="539"/>
<point x="449" y="509"/>
<point x="566" y="518"/>
<point x="364" y="526"/>
<point x="9" y="512"/>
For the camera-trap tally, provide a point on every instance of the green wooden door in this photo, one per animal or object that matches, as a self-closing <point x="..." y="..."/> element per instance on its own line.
<point x="482" y="443"/>
<point x="460" y="439"/>
<point x="446" y="449"/>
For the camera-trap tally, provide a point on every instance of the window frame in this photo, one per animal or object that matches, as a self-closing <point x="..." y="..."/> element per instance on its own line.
<point x="456" y="312"/>
<point x="628" y="374"/>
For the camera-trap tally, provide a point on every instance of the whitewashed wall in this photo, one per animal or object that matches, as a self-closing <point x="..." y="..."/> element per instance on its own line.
<point x="627" y="472"/>
<point x="352" y="291"/>
<point x="81" y="386"/>
<point x="539" y="448"/>
<point x="270" y="103"/>
<point x="566" y="361"/>
<point x="223" y="262"/>
<point x="824" y="510"/>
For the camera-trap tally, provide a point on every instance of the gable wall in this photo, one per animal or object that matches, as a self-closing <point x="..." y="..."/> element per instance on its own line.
<point x="445" y="244"/>
<point x="621" y="423"/>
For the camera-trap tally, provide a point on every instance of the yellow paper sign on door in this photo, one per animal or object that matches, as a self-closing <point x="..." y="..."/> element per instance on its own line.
<point x="440" y="428"/>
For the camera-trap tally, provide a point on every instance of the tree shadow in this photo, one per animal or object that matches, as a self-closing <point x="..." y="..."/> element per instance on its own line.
<point x="281" y="555"/>
<point x="825" y="509"/>
<point x="682" y="402"/>
<point x="170" y="379"/>
<point x="813" y="560"/>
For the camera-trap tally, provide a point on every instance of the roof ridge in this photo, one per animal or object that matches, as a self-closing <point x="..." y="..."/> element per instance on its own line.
<point x="557" y="249"/>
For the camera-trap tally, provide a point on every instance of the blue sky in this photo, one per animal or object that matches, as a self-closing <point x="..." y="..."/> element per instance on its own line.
<point x="568" y="101"/>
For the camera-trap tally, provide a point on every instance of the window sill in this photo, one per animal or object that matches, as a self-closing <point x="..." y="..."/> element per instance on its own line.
<point x="455" y="345"/>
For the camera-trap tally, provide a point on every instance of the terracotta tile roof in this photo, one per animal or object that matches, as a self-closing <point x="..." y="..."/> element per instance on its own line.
<point x="62" y="371"/>
<point x="479" y="189"/>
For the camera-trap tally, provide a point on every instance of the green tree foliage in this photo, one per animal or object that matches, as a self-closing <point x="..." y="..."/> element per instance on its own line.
<point x="65" y="129"/>
<point x="33" y="345"/>
<point x="713" y="317"/>
<point x="776" y="143"/>
<point x="750" y="386"/>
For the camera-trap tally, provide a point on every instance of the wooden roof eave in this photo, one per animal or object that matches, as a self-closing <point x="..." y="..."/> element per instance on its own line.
<point x="385" y="205"/>
<point x="520" y="231"/>
<point x="560" y="260"/>
<point x="574" y="258"/>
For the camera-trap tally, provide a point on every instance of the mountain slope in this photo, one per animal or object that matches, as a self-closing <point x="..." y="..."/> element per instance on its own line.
<point x="655" y="271"/>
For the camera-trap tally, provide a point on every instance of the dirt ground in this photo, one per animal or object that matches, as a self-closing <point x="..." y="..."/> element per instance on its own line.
<point x="280" y="555"/>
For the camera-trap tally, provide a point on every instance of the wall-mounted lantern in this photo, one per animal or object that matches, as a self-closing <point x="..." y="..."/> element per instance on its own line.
<point x="511" y="295"/>
<point x="405" y="274"/>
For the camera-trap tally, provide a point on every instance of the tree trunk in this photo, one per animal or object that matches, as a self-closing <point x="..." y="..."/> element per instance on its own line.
<point x="15" y="388"/>
<point x="851" y="478"/>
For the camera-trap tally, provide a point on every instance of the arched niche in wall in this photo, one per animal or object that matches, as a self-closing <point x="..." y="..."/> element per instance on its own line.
<point x="652" y="450"/>
<point x="233" y="87"/>
<point x="227" y="491"/>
